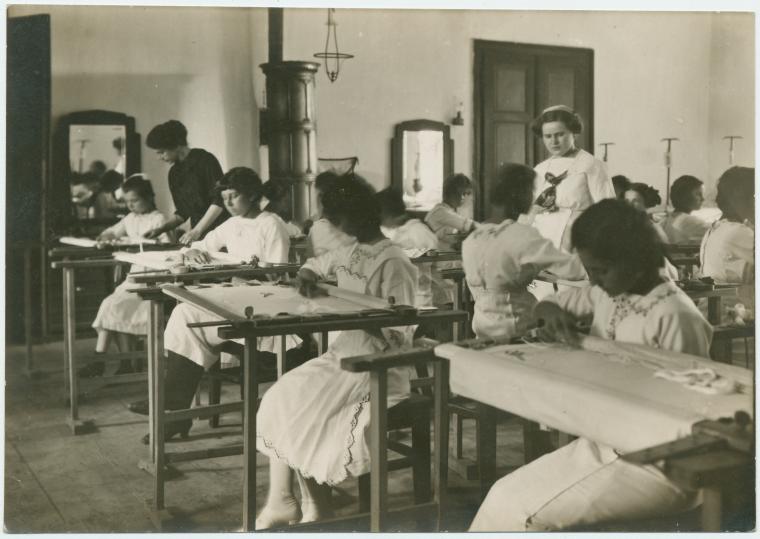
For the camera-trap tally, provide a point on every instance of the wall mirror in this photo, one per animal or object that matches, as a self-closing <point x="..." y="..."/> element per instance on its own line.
<point x="422" y="157"/>
<point x="95" y="151"/>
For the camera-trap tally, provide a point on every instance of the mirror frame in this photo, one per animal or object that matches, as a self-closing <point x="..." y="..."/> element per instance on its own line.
<point x="62" y="218"/>
<point x="397" y="148"/>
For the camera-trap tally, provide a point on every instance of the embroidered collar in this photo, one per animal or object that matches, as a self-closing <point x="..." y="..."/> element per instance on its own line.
<point x="626" y="305"/>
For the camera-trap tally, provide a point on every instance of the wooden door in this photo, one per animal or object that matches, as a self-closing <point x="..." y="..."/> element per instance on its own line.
<point x="27" y="150"/>
<point x="513" y="84"/>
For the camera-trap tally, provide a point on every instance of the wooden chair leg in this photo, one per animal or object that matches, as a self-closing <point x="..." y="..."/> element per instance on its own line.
<point x="460" y="435"/>
<point x="486" y="445"/>
<point x="535" y="441"/>
<point x="214" y="396"/>
<point x="746" y="352"/>
<point x="421" y="467"/>
<point x="364" y="493"/>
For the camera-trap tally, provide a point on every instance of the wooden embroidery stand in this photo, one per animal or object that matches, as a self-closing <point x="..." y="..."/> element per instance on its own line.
<point x="361" y="313"/>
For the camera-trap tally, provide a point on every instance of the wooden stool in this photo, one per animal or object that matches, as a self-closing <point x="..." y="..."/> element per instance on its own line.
<point x="412" y="413"/>
<point x="484" y="466"/>
<point x="722" y="343"/>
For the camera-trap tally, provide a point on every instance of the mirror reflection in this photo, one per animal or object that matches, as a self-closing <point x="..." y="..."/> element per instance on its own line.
<point x="97" y="159"/>
<point x="422" y="172"/>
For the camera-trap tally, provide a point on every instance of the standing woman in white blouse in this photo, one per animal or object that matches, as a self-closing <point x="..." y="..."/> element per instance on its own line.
<point x="569" y="181"/>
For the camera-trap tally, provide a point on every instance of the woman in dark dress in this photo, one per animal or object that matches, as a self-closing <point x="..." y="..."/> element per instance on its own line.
<point x="192" y="182"/>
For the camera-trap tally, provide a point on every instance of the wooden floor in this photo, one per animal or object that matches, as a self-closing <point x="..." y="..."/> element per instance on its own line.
<point x="58" y="482"/>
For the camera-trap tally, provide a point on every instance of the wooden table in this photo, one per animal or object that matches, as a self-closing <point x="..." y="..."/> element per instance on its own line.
<point x="70" y="360"/>
<point x="77" y="258"/>
<point x="250" y="330"/>
<point x="28" y="248"/>
<point x="157" y="299"/>
<point x="486" y="370"/>
<point x="461" y="299"/>
<point x="717" y="459"/>
<point x="617" y="401"/>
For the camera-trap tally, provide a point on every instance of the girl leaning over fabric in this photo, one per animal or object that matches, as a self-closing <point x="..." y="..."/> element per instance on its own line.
<point x="123" y="314"/>
<point x="500" y="260"/>
<point x="249" y="233"/>
<point x="584" y="482"/>
<point x="312" y="423"/>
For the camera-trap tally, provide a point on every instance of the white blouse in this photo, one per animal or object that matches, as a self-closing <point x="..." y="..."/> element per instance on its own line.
<point x="134" y="225"/>
<point x="499" y="262"/>
<point x="264" y="237"/>
<point x="586" y="183"/>
<point x="324" y="237"/>
<point x="727" y="253"/>
<point x="681" y="227"/>
<point x="444" y="220"/>
<point x="415" y="238"/>
<point x="664" y="318"/>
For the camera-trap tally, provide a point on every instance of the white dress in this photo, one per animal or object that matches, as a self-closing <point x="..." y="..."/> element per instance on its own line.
<point x="727" y="255"/>
<point x="124" y="311"/>
<point x="324" y="237"/>
<point x="584" y="482"/>
<point x="586" y="183"/>
<point x="681" y="227"/>
<point x="444" y="221"/>
<point x="315" y="418"/>
<point x="264" y="237"/>
<point x="416" y="239"/>
<point x="499" y="262"/>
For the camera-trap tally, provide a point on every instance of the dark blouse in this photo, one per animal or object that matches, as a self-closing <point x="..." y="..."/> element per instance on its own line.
<point x="192" y="183"/>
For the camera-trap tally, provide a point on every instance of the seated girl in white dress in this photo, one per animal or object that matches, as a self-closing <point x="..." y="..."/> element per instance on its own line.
<point x="585" y="483"/>
<point x="727" y="251"/>
<point x="445" y="221"/>
<point x="123" y="313"/>
<point x="500" y="260"/>
<point x="249" y="233"/>
<point x="323" y="235"/>
<point x="313" y="422"/>
<point x="686" y="195"/>
<point x="414" y="237"/>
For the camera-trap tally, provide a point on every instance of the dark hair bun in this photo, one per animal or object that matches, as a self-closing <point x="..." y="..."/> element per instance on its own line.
<point x="559" y="113"/>
<point x="167" y="136"/>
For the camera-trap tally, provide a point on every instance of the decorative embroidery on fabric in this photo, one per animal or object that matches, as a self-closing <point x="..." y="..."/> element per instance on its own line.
<point x="492" y="230"/>
<point x="352" y="439"/>
<point x="624" y="308"/>
<point x="349" y="456"/>
<point x="363" y="252"/>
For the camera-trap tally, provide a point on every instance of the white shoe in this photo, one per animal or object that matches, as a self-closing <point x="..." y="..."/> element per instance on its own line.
<point x="288" y="514"/>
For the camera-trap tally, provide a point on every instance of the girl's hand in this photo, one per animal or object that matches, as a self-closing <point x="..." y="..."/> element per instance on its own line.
<point x="153" y="233"/>
<point x="558" y="324"/>
<point x="197" y="256"/>
<point x="189" y="237"/>
<point x="105" y="236"/>
<point x="306" y="282"/>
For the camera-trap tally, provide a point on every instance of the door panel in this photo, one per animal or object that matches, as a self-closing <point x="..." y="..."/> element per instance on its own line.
<point x="508" y="104"/>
